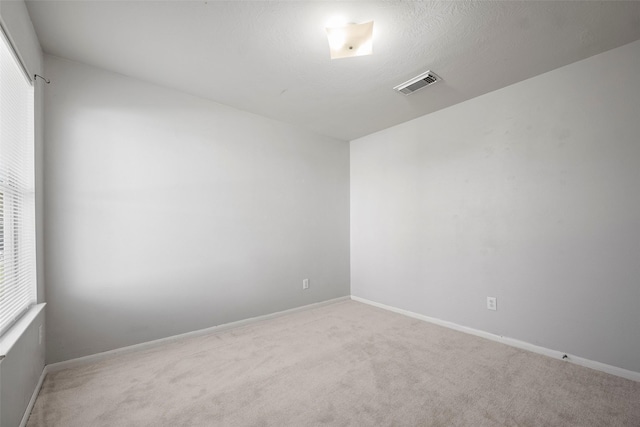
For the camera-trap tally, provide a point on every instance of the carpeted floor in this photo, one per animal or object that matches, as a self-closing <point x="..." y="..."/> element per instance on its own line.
<point x="342" y="364"/>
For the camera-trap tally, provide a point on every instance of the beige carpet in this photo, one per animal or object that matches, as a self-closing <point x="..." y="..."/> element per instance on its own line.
<point x="346" y="364"/>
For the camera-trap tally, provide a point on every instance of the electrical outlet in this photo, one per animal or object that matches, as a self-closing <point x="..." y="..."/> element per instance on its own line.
<point x="40" y="334"/>
<point x="492" y="303"/>
<point x="305" y="284"/>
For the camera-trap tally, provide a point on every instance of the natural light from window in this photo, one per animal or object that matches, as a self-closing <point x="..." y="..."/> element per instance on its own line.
<point x="17" y="198"/>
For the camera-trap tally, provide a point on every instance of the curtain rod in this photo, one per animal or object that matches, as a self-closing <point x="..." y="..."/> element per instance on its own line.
<point x="47" y="81"/>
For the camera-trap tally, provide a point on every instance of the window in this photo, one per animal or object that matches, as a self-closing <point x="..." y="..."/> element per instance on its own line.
<point x="17" y="196"/>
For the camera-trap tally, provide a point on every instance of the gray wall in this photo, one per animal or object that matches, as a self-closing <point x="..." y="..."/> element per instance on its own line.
<point x="20" y="371"/>
<point x="168" y="213"/>
<point x="529" y="194"/>
<point x="23" y="365"/>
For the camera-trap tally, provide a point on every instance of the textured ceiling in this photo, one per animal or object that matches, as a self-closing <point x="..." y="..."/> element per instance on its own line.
<point x="272" y="57"/>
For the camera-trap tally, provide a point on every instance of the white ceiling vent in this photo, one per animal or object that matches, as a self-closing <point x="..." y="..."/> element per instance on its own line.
<point x="417" y="83"/>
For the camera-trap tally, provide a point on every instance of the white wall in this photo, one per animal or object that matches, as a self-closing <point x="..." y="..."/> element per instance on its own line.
<point x="529" y="194"/>
<point x="168" y="213"/>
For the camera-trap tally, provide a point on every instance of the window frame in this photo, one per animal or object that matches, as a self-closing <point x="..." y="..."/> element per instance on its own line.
<point x="17" y="207"/>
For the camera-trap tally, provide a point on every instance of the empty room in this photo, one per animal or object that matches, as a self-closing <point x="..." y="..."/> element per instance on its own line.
<point x="304" y="213"/>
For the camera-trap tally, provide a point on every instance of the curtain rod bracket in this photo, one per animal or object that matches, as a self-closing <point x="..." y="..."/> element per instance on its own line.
<point x="35" y="76"/>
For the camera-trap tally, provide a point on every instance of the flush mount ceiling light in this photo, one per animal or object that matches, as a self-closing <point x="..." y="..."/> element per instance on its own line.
<point x="349" y="40"/>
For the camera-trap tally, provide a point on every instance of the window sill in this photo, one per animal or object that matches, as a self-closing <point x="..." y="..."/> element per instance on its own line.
<point x="11" y="337"/>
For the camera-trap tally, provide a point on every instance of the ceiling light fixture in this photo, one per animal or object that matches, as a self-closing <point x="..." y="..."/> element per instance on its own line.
<point x="350" y="40"/>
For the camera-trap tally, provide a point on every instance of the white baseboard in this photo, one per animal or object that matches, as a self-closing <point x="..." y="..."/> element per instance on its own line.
<point x="598" y="366"/>
<point x="85" y="360"/>
<point x="34" y="396"/>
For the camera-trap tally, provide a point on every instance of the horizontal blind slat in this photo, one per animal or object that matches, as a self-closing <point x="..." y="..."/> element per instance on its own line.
<point x="17" y="197"/>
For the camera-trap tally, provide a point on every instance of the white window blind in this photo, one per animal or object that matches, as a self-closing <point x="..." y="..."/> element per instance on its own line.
<point x="17" y="197"/>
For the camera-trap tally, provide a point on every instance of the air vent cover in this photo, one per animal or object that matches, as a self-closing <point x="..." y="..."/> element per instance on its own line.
<point x="417" y="83"/>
